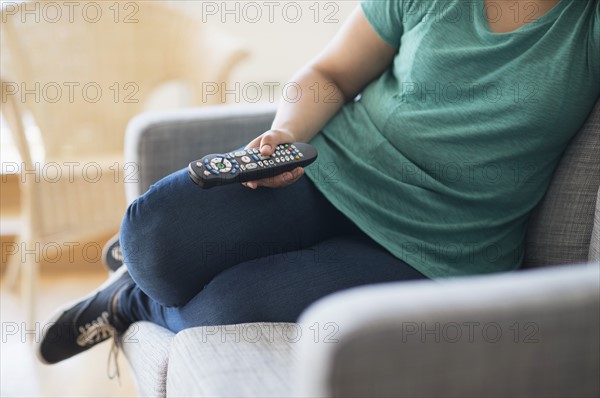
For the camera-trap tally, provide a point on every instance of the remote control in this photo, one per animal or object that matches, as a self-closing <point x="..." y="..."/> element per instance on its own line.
<point x="249" y="165"/>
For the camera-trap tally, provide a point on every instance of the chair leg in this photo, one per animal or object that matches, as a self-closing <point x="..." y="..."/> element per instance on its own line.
<point x="13" y="269"/>
<point x="29" y="282"/>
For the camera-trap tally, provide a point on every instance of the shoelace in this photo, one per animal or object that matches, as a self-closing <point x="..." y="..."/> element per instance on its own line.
<point x="99" y="330"/>
<point x="113" y="354"/>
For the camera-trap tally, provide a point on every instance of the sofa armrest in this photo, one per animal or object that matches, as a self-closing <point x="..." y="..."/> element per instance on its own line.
<point x="159" y="143"/>
<point x="528" y="333"/>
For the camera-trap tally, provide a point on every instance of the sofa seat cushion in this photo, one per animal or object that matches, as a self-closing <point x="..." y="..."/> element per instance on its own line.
<point x="146" y="346"/>
<point x="245" y="360"/>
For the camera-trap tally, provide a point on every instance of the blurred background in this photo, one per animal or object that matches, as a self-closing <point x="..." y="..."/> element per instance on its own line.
<point x="73" y="75"/>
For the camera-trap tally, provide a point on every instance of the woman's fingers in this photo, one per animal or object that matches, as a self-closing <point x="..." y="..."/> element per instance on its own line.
<point x="267" y="142"/>
<point x="250" y="184"/>
<point x="254" y="143"/>
<point x="278" y="181"/>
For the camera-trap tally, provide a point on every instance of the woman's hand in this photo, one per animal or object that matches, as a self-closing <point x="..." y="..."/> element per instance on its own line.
<point x="267" y="142"/>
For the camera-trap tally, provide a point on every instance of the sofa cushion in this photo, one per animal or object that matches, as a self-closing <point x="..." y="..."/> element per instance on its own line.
<point x="560" y="227"/>
<point x="146" y="346"/>
<point x="534" y="333"/>
<point x="245" y="360"/>
<point x="594" y="255"/>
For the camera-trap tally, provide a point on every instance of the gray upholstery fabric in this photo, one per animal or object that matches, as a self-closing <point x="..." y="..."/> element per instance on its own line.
<point x="370" y="356"/>
<point x="521" y="334"/>
<point x="560" y="227"/>
<point x="159" y="143"/>
<point x="594" y="255"/>
<point x="246" y="360"/>
<point x="146" y="347"/>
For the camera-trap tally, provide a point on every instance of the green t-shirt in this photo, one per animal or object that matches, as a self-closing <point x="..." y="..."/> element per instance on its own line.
<point x="443" y="157"/>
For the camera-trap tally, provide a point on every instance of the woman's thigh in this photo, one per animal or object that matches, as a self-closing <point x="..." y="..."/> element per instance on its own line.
<point x="278" y="288"/>
<point x="177" y="237"/>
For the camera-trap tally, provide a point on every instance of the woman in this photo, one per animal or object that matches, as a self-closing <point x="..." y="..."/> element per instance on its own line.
<point x="465" y="108"/>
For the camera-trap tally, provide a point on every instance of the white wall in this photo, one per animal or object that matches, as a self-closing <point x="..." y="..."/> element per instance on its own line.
<point x="278" y="45"/>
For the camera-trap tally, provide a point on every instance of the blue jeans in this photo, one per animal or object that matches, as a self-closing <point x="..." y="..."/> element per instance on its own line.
<point x="232" y="255"/>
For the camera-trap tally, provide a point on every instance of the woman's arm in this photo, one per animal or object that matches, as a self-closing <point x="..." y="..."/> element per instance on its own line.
<point x="354" y="58"/>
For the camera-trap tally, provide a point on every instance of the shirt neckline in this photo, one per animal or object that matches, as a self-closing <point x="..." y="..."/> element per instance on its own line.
<point x="484" y="26"/>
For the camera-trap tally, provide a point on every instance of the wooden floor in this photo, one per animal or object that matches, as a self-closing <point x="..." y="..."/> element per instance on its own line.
<point x="22" y="375"/>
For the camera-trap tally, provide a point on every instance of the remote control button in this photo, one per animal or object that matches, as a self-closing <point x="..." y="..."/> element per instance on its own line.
<point x="233" y="171"/>
<point x="291" y="149"/>
<point x="240" y="153"/>
<point x="301" y="155"/>
<point x="294" y="153"/>
<point x="243" y="167"/>
<point x="227" y="163"/>
<point x="246" y="159"/>
<point x="215" y="172"/>
<point x="228" y="157"/>
<point x="260" y="163"/>
<point x="271" y="162"/>
<point x="208" y="167"/>
<point x="286" y="145"/>
<point x="226" y="170"/>
<point x="277" y="160"/>
<point x="236" y="166"/>
<point x="262" y="157"/>
<point x="255" y="158"/>
<point x="207" y="173"/>
<point x="287" y="158"/>
<point x="251" y="166"/>
<point x="199" y="164"/>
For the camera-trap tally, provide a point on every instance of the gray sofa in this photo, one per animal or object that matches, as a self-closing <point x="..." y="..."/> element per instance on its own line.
<point x="533" y="332"/>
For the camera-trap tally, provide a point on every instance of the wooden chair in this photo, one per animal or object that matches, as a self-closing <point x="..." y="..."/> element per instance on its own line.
<point x="81" y="77"/>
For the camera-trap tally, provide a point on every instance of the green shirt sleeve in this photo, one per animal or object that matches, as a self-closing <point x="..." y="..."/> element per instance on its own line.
<point x="385" y="16"/>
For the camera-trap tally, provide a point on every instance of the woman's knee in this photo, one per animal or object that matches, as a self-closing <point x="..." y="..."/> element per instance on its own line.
<point x="148" y="230"/>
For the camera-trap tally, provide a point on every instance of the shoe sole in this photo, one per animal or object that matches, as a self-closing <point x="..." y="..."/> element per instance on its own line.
<point x="63" y="308"/>
<point x="110" y="263"/>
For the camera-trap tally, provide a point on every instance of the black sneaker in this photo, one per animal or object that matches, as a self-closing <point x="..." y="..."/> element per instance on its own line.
<point x="112" y="255"/>
<point x="80" y="325"/>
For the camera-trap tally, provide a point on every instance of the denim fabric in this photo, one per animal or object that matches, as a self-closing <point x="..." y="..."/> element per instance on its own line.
<point x="230" y="254"/>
